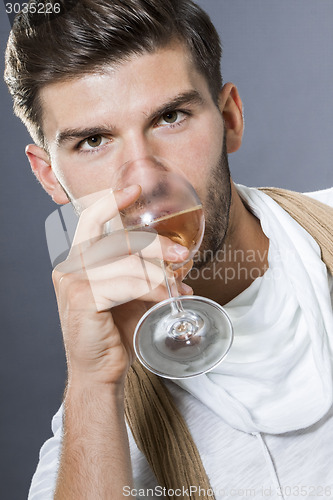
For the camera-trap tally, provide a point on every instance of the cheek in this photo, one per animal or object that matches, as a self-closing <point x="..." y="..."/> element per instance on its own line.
<point x="206" y="155"/>
<point x="79" y="180"/>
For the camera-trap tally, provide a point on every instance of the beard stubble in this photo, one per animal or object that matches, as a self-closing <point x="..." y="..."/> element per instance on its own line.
<point x="217" y="210"/>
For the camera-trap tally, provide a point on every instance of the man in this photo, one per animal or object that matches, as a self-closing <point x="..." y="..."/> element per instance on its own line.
<point x="140" y="79"/>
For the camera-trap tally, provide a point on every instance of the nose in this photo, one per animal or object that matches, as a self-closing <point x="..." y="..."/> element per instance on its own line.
<point x="137" y="145"/>
<point x="142" y="155"/>
<point x="140" y="171"/>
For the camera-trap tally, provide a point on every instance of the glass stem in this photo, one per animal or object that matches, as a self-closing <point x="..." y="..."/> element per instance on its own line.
<point x="176" y="305"/>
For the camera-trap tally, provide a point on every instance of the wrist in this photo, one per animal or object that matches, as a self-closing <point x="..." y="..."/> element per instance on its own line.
<point x="79" y="386"/>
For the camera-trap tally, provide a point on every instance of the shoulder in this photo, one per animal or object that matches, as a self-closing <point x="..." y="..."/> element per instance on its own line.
<point x="325" y="196"/>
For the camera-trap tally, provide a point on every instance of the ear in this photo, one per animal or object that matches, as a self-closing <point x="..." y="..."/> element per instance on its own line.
<point x="41" y="167"/>
<point x="231" y="107"/>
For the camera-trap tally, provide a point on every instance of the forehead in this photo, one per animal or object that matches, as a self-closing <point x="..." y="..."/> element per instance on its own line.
<point x="133" y="87"/>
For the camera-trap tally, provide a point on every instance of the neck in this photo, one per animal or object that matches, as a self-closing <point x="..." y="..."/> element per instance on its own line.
<point x="242" y="259"/>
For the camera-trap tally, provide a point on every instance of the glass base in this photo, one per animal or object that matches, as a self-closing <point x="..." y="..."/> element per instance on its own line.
<point x="173" y="349"/>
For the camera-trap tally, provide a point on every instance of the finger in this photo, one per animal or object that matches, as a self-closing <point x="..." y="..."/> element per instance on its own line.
<point x="112" y="293"/>
<point x="151" y="245"/>
<point x="122" y="243"/>
<point x="93" y="218"/>
<point x="184" y="289"/>
<point x="141" y="276"/>
<point x="129" y="266"/>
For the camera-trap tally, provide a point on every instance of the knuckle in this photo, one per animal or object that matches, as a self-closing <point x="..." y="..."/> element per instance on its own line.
<point x="56" y="276"/>
<point x="72" y="285"/>
<point x="133" y="262"/>
<point x="65" y="280"/>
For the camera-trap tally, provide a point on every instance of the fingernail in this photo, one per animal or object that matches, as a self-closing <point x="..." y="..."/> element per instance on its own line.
<point x="130" y="189"/>
<point x="179" y="250"/>
<point x="186" y="289"/>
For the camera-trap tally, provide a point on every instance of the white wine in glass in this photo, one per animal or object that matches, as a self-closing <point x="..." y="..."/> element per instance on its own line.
<point x="184" y="336"/>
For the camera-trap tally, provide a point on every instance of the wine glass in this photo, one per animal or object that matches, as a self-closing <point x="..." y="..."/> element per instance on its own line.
<point x="184" y="336"/>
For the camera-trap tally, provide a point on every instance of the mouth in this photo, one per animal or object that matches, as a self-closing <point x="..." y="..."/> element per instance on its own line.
<point x="147" y="218"/>
<point x="150" y="210"/>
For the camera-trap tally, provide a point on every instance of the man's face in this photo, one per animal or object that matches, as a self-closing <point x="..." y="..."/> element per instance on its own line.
<point x="151" y="105"/>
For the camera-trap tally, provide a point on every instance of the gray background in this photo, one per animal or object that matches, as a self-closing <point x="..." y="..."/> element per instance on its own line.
<point x="279" y="53"/>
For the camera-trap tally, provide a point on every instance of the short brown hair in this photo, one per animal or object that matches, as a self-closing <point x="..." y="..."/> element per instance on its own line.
<point x="86" y="35"/>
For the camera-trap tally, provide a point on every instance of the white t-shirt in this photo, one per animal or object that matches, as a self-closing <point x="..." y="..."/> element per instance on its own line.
<point x="263" y="419"/>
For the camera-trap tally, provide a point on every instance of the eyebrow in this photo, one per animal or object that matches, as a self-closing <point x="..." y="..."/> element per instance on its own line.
<point x="184" y="99"/>
<point x="191" y="97"/>
<point x="70" y="134"/>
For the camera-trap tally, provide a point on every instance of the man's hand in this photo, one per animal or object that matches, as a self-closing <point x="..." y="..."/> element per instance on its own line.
<point x="104" y="286"/>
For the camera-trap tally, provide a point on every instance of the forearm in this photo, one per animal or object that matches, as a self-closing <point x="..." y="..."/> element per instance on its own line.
<point x="102" y="292"/>
<point x="95" y="459"/>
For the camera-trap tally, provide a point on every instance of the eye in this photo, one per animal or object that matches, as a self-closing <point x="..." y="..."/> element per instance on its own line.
<point x="170" y="117"/>
<point x="92" y="142"/>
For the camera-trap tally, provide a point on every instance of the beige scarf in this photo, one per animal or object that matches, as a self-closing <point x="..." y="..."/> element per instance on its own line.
<point x="156" y="424"/>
